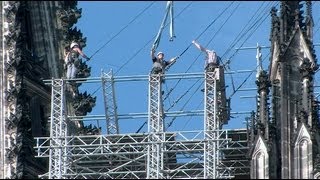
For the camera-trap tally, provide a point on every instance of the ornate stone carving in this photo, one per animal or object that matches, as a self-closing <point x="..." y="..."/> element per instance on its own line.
<point x="75" y="35"/>
<point x="68" y="17"/>
<point x="12" y="121"/>
<point x="83" y="70"/>
<point x="275" y="24"/>
<point x="263" y="82"/>
<point x="306" y="68"/>
<point x="84" y="103"/>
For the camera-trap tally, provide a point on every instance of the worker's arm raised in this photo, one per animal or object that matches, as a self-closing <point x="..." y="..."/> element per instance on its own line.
<point x="199" y="46"/>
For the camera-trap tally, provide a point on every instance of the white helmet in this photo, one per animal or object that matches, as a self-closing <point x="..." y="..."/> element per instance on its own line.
<point x="160" y="53"/>
<point x="73" y="44"/>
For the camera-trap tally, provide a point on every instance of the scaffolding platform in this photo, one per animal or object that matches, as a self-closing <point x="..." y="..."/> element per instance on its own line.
<point x="212" y="152"/>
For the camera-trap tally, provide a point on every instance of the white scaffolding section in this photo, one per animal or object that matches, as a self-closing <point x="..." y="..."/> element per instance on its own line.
<point x="155" y="128"/>
<point x="109" y="102"/>
<point x="207" y="153"/>
<point x="58" y="159"/>
<point x="210" y="127"/>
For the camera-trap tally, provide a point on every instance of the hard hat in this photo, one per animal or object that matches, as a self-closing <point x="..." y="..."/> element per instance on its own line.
<point x="73" y="44"/>
<point x="160" y="53"/>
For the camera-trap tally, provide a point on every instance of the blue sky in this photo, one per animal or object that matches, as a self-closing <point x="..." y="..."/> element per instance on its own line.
<point x="121" y="33"/>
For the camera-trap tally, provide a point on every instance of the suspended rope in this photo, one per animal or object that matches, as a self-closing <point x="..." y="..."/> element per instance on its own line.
<point x="131" y="58"/>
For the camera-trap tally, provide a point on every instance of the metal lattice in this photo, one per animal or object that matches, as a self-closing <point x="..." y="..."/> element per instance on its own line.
<point x="155" y="127"/>
<point x="210" y="125"/>
<point x="58" y="131"/>
<point x="207" y="153"/>
<point x="110" y="103"/>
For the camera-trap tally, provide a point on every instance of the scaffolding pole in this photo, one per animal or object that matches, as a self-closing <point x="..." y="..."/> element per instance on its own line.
<point x="210" y="125"/>
<point x="110" y="102"/>
<point x="58" y="158"/>
<point x="155" y="128"/>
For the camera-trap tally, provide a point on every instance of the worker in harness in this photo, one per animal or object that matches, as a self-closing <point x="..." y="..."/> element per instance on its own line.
<point x="212" y="61"/>
<point x="159" y="64"/>
<point x="72" y="58"/>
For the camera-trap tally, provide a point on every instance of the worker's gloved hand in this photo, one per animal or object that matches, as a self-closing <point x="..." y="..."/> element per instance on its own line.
<point x="173" y="60"/>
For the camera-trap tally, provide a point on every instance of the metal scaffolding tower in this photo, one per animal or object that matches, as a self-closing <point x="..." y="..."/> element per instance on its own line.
<point x="155" y="128"/>
<point x="207" y="153"/>
<point x="110" y="102"/>
<point x="211" y="124"/>
<point x="58" y="161"/>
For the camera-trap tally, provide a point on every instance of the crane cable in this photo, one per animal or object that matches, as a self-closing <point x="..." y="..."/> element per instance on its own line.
<point x="240" y="35"/>
<point x="247" y="77"/>
<point x="170" y="91"/>
<point x="167" y="95"/>
<point x="200" y="53"/>
<point x="254" y="27"/>
<point x="135" y="18"/>
<point x="136" y="52"/>
<point x="234" y="43"/>
<point x="171" y="122"/>
<point x="176" y="58"/>
<point x="131" y="58"/>
<point x="189" y="47"/>
<point x="144" y="47"/>
<point x="224" y="66"/>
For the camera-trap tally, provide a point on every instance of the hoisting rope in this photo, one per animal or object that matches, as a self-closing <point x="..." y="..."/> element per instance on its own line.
<point x="169" y="10"/>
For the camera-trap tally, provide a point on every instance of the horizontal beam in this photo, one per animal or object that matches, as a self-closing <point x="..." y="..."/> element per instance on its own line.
<point x="198" y="75"/>
<point x="145" y="115"/>
<point x="264" y="47"/>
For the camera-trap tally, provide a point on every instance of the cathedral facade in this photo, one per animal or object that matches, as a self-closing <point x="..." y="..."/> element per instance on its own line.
<point x="284" y="135"/>
<point x="34" y="37"/>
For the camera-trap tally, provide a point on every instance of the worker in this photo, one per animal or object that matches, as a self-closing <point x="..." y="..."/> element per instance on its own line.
<point x="72" y="57"/>
<point x="211" y="60"/>
<point x="159" y="64"/>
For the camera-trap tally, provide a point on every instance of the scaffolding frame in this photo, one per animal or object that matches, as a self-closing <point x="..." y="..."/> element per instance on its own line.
<point x="156" y="154"/>
<point x="210" y="125"/>
<point x="109" y="102"/>
<point x="155" y="128"/>
<point x="58" y="159"/>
